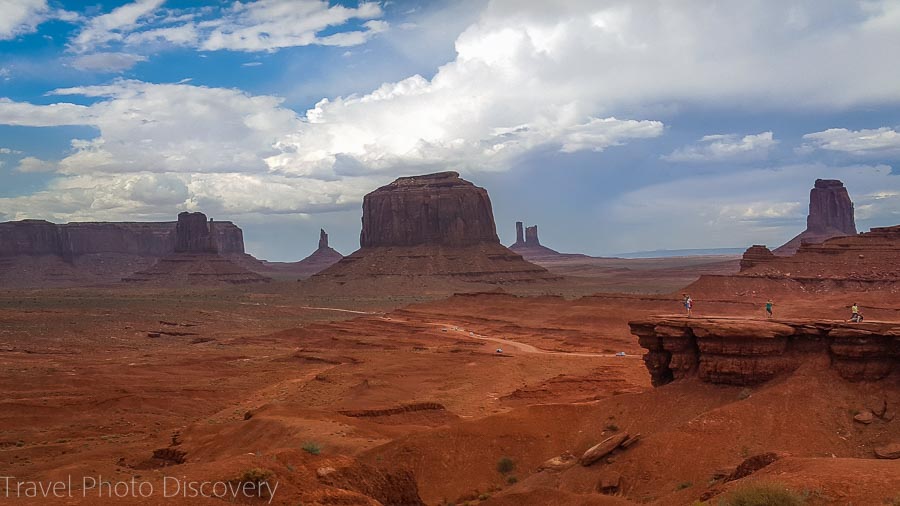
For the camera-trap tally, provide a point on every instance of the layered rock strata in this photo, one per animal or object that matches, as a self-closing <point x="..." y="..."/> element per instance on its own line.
<point x="739" y="351"/>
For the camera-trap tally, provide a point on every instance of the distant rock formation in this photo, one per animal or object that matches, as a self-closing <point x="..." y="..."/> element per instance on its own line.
<point x="196" y="259"/>
<point x="438" y="209"/>
<point x="531" y="236"/>
<point x="740" y="351"/>
<point x="755" y="255"/>
<point x="830" y="215"/>
<point x="529" y="246"/>
<point x="71" y="240"/>
<point x="864" y="262"/>
<point x="520" y="237"/>
<point x="194" y="235"/>
<point x="322" y="258"/>
<point x="36" y="253"/>
<point x="432" y="225"/>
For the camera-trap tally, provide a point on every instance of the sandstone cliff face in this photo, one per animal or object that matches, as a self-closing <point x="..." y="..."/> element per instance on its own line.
<point x="433" y="209"/>
<point x="156" y="239"/>
<point x="531" y="236"/>
<point x="747" y="352"/>
<point x="830" y="215"/>
<point x="520" y="236"/>
<point x="192" y="234"/>
<point x="29" y="237"/>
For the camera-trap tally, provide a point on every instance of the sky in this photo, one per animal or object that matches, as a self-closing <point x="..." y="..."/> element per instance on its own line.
<point x="613" y="125"/>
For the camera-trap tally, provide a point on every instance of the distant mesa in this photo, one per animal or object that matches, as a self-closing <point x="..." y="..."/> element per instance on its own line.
<point x="40" y="253"/>
<point x="830" y="215"/>
<point x="434" y="209"/>
<point x="432" y="225"/>
<point x="196" y="259"/>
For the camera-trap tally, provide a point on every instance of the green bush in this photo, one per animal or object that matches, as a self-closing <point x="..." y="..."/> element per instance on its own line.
<point x="312" y="447"/>
<point x="685" y="484"/>
<point x="255" y="476"/>
<point x="762" y="494"/>
<point x="512" y="480"/>
<point x="505" y="465"/>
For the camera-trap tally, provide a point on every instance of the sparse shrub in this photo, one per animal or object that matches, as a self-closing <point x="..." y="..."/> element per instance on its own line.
<point x="512" y="480"/>
<point x="255" y="476"/>
<point x="612" y="427"/>
<point x="484" y="497"/>
<point x="505" y="465"/>
<point x="744" y="394"/>
<point x="312" y="447"/>
<point x="20" y="443"/>
<point x="763" y="494"/>
<point x="683" y="485"/>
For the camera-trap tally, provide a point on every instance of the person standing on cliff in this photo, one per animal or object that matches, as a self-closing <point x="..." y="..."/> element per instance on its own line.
<point x="769" y="305"/>
<point x="688" y="304"/>
<point x="854" y="314"/>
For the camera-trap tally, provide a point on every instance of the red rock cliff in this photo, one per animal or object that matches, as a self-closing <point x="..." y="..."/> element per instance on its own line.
<point x="437" y="209"/>
<point x="830" y="215"/>
<point x="740" y="351"/>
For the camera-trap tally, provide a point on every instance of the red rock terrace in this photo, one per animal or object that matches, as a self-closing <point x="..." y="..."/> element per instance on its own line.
<point x="740" y="351"/>
<point x="432" y="225"/>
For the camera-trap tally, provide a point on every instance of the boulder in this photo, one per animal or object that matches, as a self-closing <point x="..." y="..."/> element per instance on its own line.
<point x="602" y="449"/>
<point x="564" y="461"/>
<point x="891" y="451"/>
<point x="610" y="482"/>
<point x="865" y="417"/>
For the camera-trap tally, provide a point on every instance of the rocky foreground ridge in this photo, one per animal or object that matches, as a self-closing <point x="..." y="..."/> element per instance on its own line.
<point x="870" y="256"/>
<point x="741" y="351"/>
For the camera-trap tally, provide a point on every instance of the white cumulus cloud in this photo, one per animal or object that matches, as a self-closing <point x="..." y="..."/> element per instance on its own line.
<point x="725" y="147"/>
<point x="882" y="140"/>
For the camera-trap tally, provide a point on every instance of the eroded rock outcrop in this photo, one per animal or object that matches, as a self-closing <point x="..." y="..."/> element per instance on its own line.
<point x="432" y="225"/>
<point x="322" y="258"/>
<point x="740" y="351"/>
<point x="830" y="215"/>
<point x="863" y="262"/>
<point x="528" y="244"/>
<point x="756" y="255"/>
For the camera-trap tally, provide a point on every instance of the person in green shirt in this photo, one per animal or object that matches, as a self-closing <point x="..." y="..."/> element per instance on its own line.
<point x="769" y="305"/>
